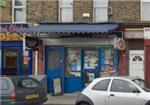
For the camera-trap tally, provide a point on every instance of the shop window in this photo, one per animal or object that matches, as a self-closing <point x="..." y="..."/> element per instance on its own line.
<point x="109" y="66"/>
<point x="90" y="59"/>
<point x="19" y="11"/>
<point x="65" y="10"/>
<point x="73" y="64"/>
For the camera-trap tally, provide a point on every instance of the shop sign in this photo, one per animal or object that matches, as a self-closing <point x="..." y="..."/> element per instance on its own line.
<point x="120" y="44"/>
<point x="147" y="33"/>
<point x="12" y="28"/>
<point x="10" y="37"/>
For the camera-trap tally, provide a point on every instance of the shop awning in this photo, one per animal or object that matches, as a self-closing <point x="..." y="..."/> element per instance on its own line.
<point x="73" y="28"/>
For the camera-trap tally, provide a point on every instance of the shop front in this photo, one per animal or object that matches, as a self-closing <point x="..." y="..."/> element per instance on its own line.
<point x="77" y="66"/>
<point x="76" y="54"/>
<point x="14" y="61"/>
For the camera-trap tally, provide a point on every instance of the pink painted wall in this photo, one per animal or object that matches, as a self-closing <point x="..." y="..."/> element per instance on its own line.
<point x="41" y="58"/>
<point x="122" y="63"/>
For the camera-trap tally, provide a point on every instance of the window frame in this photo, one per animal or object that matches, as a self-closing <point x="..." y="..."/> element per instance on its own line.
<point x="98" y="7"/>
<point x="109" y="81"/>
<point x="141" y="9"/>
<point x="64" y="7"/>
<point x="23" y="8"/>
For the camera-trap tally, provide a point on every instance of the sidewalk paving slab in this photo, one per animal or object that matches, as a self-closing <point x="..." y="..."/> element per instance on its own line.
<point x="66" y="99"/>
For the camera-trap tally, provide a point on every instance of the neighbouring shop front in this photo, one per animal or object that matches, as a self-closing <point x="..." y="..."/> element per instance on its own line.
<point x="14" y="60"/>
<point x="75" y="54"/>
<point x="147" y="53"/>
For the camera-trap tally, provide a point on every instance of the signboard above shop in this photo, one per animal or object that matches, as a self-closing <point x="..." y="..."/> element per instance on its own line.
<point x="147" y="33"/>
<point x="9" y="32"/>
<point x="12" y="27"/>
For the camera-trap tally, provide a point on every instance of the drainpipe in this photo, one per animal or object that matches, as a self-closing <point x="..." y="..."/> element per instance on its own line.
<point x="36" y="59"/>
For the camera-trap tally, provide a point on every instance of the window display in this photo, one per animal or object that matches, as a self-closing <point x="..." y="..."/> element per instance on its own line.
<point x="108" y="68"/>
<point x="90" y="59"/>
<point x="73" y="65"/>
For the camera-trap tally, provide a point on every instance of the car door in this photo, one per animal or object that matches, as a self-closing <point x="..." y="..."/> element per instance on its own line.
<point x="123" y="92"/>
<point x="99" y="92"/>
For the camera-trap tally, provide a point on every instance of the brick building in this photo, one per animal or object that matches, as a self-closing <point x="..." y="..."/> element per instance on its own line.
<point x="85" y="56"/>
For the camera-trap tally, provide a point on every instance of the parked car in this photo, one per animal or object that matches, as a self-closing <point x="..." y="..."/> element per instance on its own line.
<point x="21" y="91"/>
<point x="115" y="91"/>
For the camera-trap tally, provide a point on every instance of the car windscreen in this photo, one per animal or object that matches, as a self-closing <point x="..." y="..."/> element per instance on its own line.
<point x="29" y="83"/>
<point x="143" y="84"/>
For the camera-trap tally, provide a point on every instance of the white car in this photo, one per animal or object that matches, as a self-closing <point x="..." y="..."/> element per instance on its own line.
<point x="115" y="91"/>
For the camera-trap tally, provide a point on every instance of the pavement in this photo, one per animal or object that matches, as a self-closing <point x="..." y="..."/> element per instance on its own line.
<point x="66" y="99"/>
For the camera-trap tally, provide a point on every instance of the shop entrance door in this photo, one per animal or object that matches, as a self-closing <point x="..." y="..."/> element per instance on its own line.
<point x="55" y="69"/>
<point x="90" y="65"/>
<point x="11" y="61"/>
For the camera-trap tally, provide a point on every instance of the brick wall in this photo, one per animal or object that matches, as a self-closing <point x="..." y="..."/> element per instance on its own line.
<point x="47" y="10"/>
<point x="125" y="10"/>
<point x="80" y="7"/>
<point x="6" y="12"/>
<point x="42" y="10"/>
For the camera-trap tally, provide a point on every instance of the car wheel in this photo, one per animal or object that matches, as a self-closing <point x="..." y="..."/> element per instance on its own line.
<point x="84" y="104"/>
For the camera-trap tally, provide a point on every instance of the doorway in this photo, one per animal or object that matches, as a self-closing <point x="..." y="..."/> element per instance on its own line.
<point x="55" y="69"/>
<point x="11" y="61"/>
<point x="90" y="65"/>
<point x="136" y="63"/>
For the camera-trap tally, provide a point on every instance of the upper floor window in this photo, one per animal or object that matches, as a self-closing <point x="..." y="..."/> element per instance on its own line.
<point x="145" y="10"/>
<point x="65" y="10"/>
<point x="100" y="10"/>
<point x="19" y="11"/>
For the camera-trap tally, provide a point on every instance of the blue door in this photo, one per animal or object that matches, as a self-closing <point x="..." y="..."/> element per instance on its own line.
<point x="54" y="67"/>
<point x="91" y="64"/>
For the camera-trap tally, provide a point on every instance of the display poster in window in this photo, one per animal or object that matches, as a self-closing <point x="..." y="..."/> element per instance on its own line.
<point x="91" y="76"/>
<point x="109" y="67"/>
<point x="74" y="60"/>
<point x="74" y="66"/>
<point x="90" y="60"/>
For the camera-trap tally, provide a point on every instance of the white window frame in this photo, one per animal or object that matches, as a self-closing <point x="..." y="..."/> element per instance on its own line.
<point x="64" y="7"/>
<point x="18" y="7"/>
<point x="145" y="1"/>
<point x="94" y="11"/>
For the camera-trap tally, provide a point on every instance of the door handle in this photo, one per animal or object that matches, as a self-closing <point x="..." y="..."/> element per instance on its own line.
<point x="61" y="61"/>
<point x="112" y="95"/>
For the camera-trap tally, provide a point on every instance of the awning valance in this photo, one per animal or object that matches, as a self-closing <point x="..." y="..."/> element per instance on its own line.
<point x="72" y="28"/>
